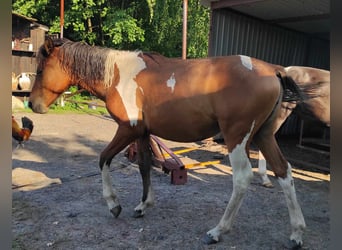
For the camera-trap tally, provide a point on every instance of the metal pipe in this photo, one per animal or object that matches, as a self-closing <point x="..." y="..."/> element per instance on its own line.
<point x="185" y="22"/>
<point x="62" y="17"/>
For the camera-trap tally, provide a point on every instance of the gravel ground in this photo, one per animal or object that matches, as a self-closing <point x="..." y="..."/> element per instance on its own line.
<point x="70" y="213"/>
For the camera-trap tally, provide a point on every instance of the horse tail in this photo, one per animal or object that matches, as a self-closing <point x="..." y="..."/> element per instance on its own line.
<point x="291" y="91"/>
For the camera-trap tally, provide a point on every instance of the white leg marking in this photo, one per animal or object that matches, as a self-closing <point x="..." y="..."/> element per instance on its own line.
<point x="108" y="191"/>
<point x="129" y="65"/>
<point x="263" y="171"/>
<point x="295" y="212"/>
<point x="171" y="82"/>
<point x="148" y="202"/>
<point x="242" y="176"/>
<point x="247" y="62"/>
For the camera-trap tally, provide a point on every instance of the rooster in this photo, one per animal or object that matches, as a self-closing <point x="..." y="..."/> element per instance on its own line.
<point x="24" y="133"/>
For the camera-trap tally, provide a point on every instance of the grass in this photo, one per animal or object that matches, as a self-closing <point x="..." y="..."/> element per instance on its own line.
<point x="79" y="109"/>
<point x="77" y="103"/>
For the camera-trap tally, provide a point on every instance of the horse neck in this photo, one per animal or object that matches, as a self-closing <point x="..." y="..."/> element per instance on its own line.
<point x="97" y="89"/>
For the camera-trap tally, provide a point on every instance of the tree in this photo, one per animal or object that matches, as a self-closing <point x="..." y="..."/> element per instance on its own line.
<point x="198" y="30"/>
<point x="151" y="25"/>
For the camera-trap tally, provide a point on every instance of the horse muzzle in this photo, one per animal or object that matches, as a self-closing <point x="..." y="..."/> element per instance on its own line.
<point x="38" y="108"/>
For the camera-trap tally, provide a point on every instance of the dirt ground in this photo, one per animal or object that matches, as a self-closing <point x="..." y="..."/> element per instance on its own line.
<point x="59" y="205"/>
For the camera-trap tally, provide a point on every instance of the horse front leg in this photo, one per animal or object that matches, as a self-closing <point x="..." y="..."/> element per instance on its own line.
<point x="109" y="194"/>
<point x="242" y="176"/>
<point x="119" y="142"/>
<point x="145" y="162"/>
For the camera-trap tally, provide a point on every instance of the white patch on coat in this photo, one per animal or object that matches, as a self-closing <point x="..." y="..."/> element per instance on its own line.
<point x="171" y="82"/>
<point x="239" y="151"/>
<point x="247" y="62"/>
<point x="129" y="65"/>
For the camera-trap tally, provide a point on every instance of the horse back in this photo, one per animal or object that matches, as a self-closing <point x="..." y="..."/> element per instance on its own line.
<point x="194" y="96"/>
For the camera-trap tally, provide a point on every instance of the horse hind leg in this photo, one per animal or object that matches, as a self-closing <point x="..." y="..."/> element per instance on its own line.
<point x="282" y="170"/>
<point x="145" y="162"/>
<point x="262" y="170"/>
<point x="284" y="110"/>
<point x="242" y="176"/>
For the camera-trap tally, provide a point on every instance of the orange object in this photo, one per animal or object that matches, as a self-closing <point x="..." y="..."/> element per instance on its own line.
<point x="23" y="133"/>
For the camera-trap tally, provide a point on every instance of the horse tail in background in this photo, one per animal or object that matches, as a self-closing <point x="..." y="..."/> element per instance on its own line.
<point x="313" y="90"/>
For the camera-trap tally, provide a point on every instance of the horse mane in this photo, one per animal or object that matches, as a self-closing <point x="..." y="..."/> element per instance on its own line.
<point x="86" y="63"/>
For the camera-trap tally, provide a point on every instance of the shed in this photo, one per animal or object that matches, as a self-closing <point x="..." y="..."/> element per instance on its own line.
<point x="285" y="32"/>
<point x="27" y="36"/>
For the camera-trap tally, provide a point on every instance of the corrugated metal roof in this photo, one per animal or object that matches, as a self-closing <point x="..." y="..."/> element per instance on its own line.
<point x="284" y="9"/>
<point x="232" y="33"/>
<point x="308" y="16"/>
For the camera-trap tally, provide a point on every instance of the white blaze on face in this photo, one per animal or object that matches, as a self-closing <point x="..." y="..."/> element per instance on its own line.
<point x="171" y="82"/>
<point x="129" y="65"/>
<point x="246" y="61"/>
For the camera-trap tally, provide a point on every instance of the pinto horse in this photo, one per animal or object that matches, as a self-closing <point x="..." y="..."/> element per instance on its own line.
<point x="315" y="83"/>
<point x="179" y="100"/>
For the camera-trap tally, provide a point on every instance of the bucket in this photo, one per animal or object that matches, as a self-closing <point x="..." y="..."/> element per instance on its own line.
<point x="91" y="105"/>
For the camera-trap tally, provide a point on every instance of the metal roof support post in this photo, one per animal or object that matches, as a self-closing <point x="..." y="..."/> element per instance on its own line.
<point x="185" y="22"/>
<point x="62" y="17"/>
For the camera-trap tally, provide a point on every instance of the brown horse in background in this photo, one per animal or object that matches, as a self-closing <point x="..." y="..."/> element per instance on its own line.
<point x="179" y="100"/>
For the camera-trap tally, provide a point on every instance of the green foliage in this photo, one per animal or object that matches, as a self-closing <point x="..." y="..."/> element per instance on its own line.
<point x="151" y="25"/>
<point x="165" y="31"/>
<point x="122" y="29"/>
<point x="198" y="30"/>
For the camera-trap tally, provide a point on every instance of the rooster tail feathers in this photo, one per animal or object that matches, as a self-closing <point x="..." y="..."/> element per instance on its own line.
<point x="27" y="123"/>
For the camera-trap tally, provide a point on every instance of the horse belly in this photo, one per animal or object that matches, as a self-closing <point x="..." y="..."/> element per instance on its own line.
<point x="182" y="125"/>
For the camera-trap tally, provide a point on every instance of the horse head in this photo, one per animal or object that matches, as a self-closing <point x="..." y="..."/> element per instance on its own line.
<point x="51" y="79"/>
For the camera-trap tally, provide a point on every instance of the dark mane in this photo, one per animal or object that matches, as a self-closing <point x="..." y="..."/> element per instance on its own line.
<point x="83" y="61"/>
<point x="79" y="59"/>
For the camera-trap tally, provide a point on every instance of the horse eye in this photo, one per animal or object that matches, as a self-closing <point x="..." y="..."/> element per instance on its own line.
<point x="39" y="72"/>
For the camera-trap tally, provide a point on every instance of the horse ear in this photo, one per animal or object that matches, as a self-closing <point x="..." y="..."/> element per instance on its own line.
<point x="48" y="45"/>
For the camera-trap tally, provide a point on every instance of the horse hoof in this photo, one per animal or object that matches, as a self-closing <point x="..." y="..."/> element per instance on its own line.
<point x="138" y="214"/>
<point x="116" y="211"/>
<point x="294" y="245"/>
<point x="208" y="239"/>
